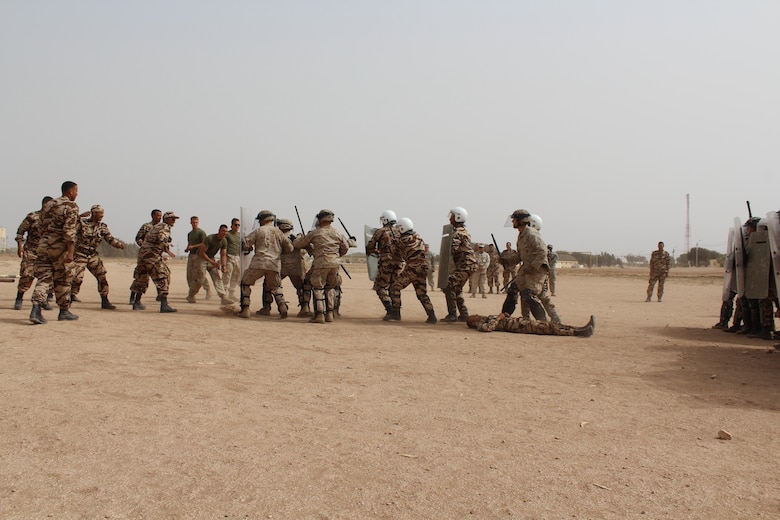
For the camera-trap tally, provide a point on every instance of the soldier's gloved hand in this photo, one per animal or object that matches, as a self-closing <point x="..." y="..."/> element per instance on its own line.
<point x="352" y="242"/>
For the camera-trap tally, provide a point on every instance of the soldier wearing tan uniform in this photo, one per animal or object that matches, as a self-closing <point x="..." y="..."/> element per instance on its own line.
<point x="493" y="269"/>
<point x="54" y="265"/>
<point x="91" y="233"/>
<point x="294" y="268"/>
<point x="151" y="263"/>
<point x="328" y="246"/>
<point x="509" y="259"/>
<point x="660" y="262"/>
<point x="268" y="243"/>
<point x="27" y="250"/>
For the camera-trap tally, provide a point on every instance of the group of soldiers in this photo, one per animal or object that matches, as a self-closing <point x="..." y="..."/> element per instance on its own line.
<point x="61" y="244"/>
<point x="751" y="277"/>
<point x="399" y="253"/>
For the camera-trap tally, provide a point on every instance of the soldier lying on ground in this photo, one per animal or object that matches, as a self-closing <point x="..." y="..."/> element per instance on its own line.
<point x="505" y="323"/>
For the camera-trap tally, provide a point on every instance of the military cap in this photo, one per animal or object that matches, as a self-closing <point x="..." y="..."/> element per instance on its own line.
<point x="169" y="214"/>
<point x="97" y="208"/>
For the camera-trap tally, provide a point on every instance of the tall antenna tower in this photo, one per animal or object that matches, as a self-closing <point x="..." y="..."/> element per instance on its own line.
<point x="687" y="223"/>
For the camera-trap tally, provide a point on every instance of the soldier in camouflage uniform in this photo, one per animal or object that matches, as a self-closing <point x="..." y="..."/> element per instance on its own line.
<point x="509" y="260"/>
<point x="493" y="269"/>
<point x="660" y="262"/>
<point x="151" y="263"/>
<point x="552" y="260"/>
<point x="139" y="240"/>
<point x="54" y="265"/>
<point x="532" y="274"/>
<point x="411" y="249"/>
<point x="268" y="243"/>
<point x="91" y="233"/>
<point x="465" y="262"/>
<point x="27" y="250"/>
<point x="328" y="246"/>
<point x="294" y="268"/>
<point x="389" y="266"/>
<point x="478" y="278"/>
<point x="505" y="323"/>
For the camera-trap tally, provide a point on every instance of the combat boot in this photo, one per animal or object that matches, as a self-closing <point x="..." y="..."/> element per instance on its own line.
<point x="282" y="310"/>
<point x="132" y="297"/>
<point x="388" y="310"/>
<point x="649" y="299"/>
<point x="137" y="305"/>
<point x="490" y="291"/>
<point x="764" y="333"/>
<point x="36" y="316"/>
<point x="164" y="307"/>
<point x="305" y="311"/>
<point x="105" y="304"/>
<point x="46" y="306"/>
<point x="395" y="314"/>
<point x="317" y="318"/>
<point x="588" y="330"/>
<point x="329" y="317"/>
<point x="66" y="315"/>
<point x="244" y="313"/>
<point x="224" y="300"/>
<point x="265" y="311"/>
<point x="431" y="318"/>
<point x="18" y="302"/>
<point x="450" y="318"/>
<point x="74" y="298"/>
<point x="464" y="316"/>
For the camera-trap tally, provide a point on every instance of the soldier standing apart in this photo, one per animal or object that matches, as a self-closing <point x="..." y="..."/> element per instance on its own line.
<point x="196" y="266"/>
<point x="27" y="250"/>
<point x="328" y="246"/>
<point x="660" y="262"/>
<point x="217" y="243"/>
<point x="493" y="268"/>
<point x="410" y="248"/>
<point x="552" y="261"/>
<point x="465" y="262"/>
<point x="151" y="263"/>
<point x="54" y="264"/>
<point x="430" y="260"/>
<point x="91" y="233"/>
<point x="381" y="244"/>
<point x="509" y="261"/>
<point x="479" y="276"/>
<point x="533" y="271"/>
<point x="268" y="243"/>
<point x="139" y="240"/>
<point x="232" y="278"/>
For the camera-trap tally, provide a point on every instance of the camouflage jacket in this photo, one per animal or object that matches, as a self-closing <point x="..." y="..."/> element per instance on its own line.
<point x="268" y="243"/>
<point x="141" y="235"/>
<point x="89" y="236"/>
<point x="660" y="262"/>
<point x="328" y="245"/>
<point x="32" y="226"/>
<point x="158" y="240"/>
<point x="532" y="249"/>
<point x="410" y="248"/>
<point x="59" y="222"/>
<point x="382" y="243"/>
<point x="461" y="249"/>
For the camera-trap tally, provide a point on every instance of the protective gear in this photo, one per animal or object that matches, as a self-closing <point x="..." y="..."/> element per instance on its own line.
<point x="388" y="217"/>
<point x="265" y="215"/>
<point x="405" y="225"/>
<point x="459" y="215"/>
<point x="535" y="222"/>
<point x="587" y="330"/>
<point x="521" y="215"/>
<point x="18" y="301"/>
<point x="431" y="318"/>
<point x="325" y="215"/>
<point x="533" y="303"/>
<point x="105" y="304"/>
<point x="284" y="224"/>
<point x="137" y="305"/>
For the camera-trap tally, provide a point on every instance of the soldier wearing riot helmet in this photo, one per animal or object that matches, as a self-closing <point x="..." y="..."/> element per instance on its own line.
<point x="532" y="274"/>
<point x="465" y="262"/>
<point x="389" y="265"/>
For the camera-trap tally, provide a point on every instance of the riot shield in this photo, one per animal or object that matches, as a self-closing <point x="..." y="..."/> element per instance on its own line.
<point x="729" y="281"/>
<point x="372" y="260"/>
<point x="445" y="259"/>
<point x="739" y="257"/>
<point x="757" y="265"/>
<point x="773" y="223"/>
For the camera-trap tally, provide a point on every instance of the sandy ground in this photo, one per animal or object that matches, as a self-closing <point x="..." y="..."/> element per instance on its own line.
<point x="198" y="414"/>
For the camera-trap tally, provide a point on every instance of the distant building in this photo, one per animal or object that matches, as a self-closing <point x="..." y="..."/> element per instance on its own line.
<point x="566" y="262"/>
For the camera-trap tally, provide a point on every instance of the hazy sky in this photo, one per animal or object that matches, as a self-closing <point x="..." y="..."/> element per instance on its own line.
<point x="600" y="116"/>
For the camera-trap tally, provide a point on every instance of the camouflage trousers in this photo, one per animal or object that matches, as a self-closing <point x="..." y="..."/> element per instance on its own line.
<point x="26" y="270"/>
<point x="53" y="273"/>
<point x="454" y="290"/>
<point x="551" y="280"/>
<point x="492" y="278"/>
<point x="96" y="267"/>
<point x="524" y="326"/>
<point x="430" y="279"/>
<point x="231" y="279"/>
<point x="417" y="277"/>
<point x="298" y="284"/>
<point x="272" y="283"/>
<point x="151" y="265"/>
<point x="196" y="274"/>
<point x="477" y="282"/>
<point x="385" y="275"/>
<point x="333" y="292"/>
<point x="660" y="278"/>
